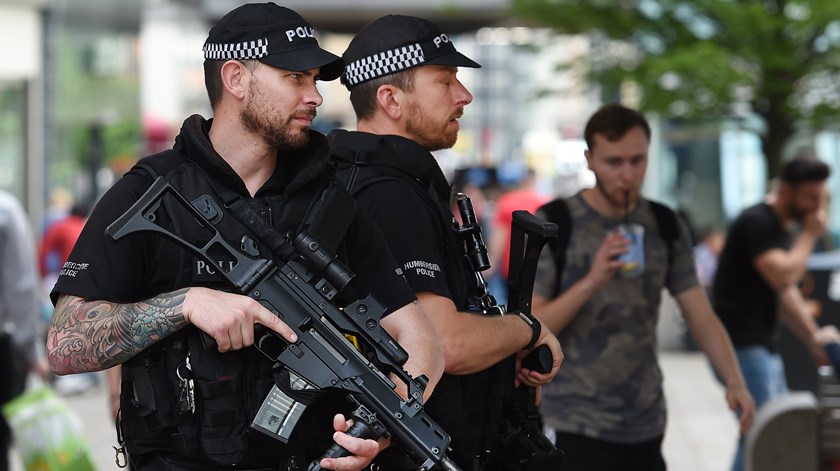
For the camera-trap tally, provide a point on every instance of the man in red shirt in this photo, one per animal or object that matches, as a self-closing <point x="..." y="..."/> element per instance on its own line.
<point x="525" y="197"/>
<point x="57" y="242"/>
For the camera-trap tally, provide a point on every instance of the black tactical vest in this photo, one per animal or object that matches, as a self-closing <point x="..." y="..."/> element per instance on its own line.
<point x="228" y="387"/>
<point x="468" y="407"/>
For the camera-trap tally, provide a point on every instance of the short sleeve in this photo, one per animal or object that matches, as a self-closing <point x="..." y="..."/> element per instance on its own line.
<point x="104" y="269"/>
<point x="371" y="260"/>
<point x="409" y="228"/>
<point x="754" y="228"/>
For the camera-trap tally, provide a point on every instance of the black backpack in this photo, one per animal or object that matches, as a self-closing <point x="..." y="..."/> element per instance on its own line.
<point x="557" y="211"/>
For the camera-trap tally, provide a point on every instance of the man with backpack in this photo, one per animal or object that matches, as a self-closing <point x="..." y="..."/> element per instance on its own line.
<point x="599" y="287"/>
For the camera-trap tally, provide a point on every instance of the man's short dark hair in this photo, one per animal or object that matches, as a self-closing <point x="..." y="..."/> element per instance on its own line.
<point x="213" y="78"/>
<point x="613" y="121"/>
<point x="804" y="169"/>
<point x="363" y="95"/>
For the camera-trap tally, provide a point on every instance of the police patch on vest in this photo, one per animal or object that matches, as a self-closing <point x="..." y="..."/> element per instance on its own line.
<point x="203" y="272"/>
<point x="420" y="267"/>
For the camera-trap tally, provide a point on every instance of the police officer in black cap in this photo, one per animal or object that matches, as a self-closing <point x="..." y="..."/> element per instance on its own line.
<point x="143" y="302"/>
<point x="402" y="73"/>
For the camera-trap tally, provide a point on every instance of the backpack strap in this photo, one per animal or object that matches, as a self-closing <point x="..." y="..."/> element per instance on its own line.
<point x="557" y="211"/>
<point x="353" y="186"/>
<point x="669" y="230"/>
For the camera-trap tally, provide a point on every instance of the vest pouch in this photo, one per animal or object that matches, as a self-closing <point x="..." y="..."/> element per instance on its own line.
<point x="221" y="404"/>
<point x="150" y="420"/>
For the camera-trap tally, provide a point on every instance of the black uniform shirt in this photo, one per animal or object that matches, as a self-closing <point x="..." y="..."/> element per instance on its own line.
<point x="407" y="195"/>
<point x="400" y="184"/>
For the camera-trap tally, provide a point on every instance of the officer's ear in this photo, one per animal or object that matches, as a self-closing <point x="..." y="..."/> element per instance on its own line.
<point x="235" y="78"/>
<point x="389" y="100"/>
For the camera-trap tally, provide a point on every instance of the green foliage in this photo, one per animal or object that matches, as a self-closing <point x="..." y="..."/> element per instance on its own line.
<point x="119" y="139"/>
<point x="693" y="59"/>
<point x="84" y="97"/>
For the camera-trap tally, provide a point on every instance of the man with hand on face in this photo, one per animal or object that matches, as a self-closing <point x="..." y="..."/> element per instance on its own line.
<point x="607" y="404"/>
<point x="144" y="302"/>
<point x="758" y="271"/>
<point x="402" y="73"/>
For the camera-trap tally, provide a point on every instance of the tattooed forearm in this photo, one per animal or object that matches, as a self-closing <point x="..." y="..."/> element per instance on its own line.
<point x="95" y="335"/>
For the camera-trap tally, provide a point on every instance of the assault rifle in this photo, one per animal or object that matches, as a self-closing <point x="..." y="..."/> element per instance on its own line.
<point x="300" y="293"/>
<point x="526" y="448"/>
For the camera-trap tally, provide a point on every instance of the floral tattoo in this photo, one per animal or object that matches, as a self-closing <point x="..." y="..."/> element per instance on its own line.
<point x="96" y="335"/>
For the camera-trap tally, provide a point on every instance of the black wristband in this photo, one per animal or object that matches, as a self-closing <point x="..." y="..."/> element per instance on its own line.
<point x="536" y="328"/>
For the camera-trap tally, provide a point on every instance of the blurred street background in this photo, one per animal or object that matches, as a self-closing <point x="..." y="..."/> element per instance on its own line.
<point x="87" y="87"/>
<point x="731" y="89"/>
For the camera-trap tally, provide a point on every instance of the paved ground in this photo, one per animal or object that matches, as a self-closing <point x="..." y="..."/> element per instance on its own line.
<point x="702" y="431"/>
<point x="700" y="437"/>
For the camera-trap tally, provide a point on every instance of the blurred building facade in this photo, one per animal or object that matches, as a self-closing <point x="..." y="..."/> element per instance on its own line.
<point x="22" y="100"/>
<point x="95" y="85"/>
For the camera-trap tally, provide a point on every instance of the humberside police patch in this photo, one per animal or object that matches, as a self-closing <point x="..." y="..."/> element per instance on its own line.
<point x="422" y="268"/>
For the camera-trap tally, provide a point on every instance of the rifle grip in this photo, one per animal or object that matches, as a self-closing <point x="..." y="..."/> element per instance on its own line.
<point x="360" y="429"/>
<point x="539" y="360"/>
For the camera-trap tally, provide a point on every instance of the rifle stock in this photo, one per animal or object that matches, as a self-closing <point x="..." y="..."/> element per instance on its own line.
<point x="322" y="356"/>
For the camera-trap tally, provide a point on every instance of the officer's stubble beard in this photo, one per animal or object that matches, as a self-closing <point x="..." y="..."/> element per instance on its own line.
<point x="426" y="132"/>
<point x="259" y="119"/>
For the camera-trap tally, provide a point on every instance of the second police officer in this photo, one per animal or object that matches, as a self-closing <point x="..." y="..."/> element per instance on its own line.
<point x="402" y="75"/>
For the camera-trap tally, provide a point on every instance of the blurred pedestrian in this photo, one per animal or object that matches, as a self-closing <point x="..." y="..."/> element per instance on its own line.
<point x="706" y="254"/>
<point x="599" y="288"/>
<point x="828" y="337"/>
<point x="764" y="257"/>
<point x="19" y="310"/>
<point x="59" y="203"/>
<point x="523" y="197"/>
<point x="57" y="242"/>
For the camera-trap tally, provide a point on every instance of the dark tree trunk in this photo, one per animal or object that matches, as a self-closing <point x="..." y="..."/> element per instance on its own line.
<point x="779" y="131"/>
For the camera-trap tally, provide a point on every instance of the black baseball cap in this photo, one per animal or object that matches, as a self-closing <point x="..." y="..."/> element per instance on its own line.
<point x="393" y="43"/>
<point x="273" y="35"/>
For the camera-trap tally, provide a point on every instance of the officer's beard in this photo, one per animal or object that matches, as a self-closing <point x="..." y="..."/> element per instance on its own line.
<point x="262" y="121"/>
<point x="424" y="130"/>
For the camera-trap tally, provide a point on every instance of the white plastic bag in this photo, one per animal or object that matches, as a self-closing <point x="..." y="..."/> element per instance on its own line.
<point x="47" y="433"/>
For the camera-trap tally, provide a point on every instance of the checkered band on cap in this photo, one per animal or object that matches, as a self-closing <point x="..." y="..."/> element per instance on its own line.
<point x="237" y="51"/>
<point x="384" y="63"/>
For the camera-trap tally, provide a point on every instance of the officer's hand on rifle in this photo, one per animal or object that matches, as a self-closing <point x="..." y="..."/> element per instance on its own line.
<point x="362" y="450"/>
<point x="534" y="378"/>
<point x="229" y="318"/>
